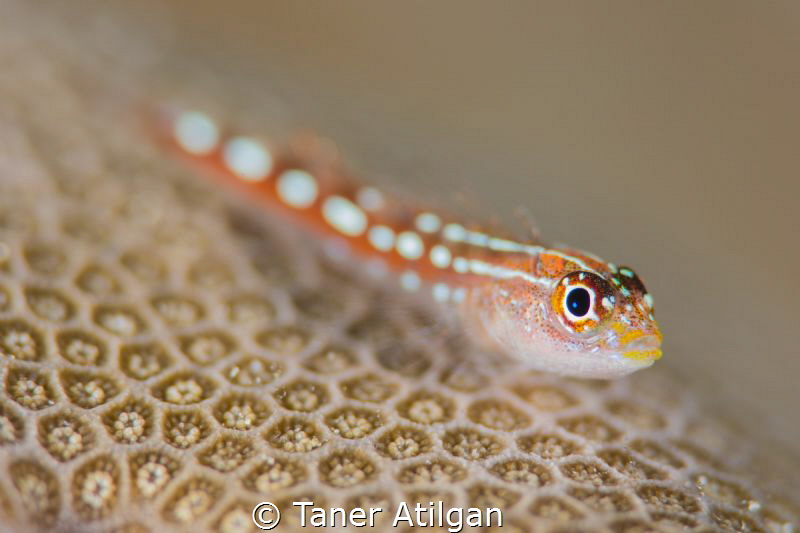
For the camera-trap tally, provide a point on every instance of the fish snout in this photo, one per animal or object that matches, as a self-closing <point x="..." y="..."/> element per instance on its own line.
<point x="646" y="347"/>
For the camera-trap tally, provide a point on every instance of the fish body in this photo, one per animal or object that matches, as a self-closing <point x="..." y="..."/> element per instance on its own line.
<point x="552" y="308"/>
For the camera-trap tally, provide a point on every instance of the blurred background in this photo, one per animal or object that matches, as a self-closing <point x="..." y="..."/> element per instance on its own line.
<point x="665" y="136"/>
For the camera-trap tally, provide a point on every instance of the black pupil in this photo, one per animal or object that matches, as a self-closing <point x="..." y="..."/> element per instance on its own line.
<point x="578" y="301"/>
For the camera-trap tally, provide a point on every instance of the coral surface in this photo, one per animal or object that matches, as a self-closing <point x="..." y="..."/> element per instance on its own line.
<point x="163" y="366"/>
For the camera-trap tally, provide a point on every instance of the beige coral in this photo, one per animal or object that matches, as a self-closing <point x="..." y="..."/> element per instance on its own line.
<point x="158" y="373"/>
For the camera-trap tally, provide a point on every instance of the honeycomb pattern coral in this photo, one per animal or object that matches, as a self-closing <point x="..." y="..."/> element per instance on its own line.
<point x="168" y="359"/>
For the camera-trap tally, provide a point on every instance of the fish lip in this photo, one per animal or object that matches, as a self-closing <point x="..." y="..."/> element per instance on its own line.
<point x="646" y="348"/>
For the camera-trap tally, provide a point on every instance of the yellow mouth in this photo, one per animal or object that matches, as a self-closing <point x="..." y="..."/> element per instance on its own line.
<point x="627" y="336"/>
<point x="643" y="355"/>
<point x="643" y="346"/>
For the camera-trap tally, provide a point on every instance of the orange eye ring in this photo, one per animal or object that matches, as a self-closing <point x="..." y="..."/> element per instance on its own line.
<point x="583" y="301"/>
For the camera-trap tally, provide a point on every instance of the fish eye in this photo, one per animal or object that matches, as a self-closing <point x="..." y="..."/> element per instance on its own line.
<point x="579" y="301"/>
<point x="583" y="301"/>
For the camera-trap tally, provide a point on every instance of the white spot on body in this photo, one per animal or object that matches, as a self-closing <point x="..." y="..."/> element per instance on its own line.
<point x="479" y="267"/>
<point x="381" y="238"/>
<point x="409" y="245"/>
<point x="454" y="232"/>
<point x="459" y="294"/>
<point x="370" y="198"/>
<point x="428" y="222"/>
<point x="297" y="188"/>
<point x="503" y="245"/>
<point x="495" y="271"/>
<point x="648" y="300"/>
<point x="607" y="302"/>
<point x="247" y="158"/>
<point x="441" y="292"/>
<point x="410" y="281"/>
<point x="440" y="256"/>
<point x="196" y="133"/>
<point x="461" y="265"/>
<point x="477" y="239"/>
<point x="344" y="216"/>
